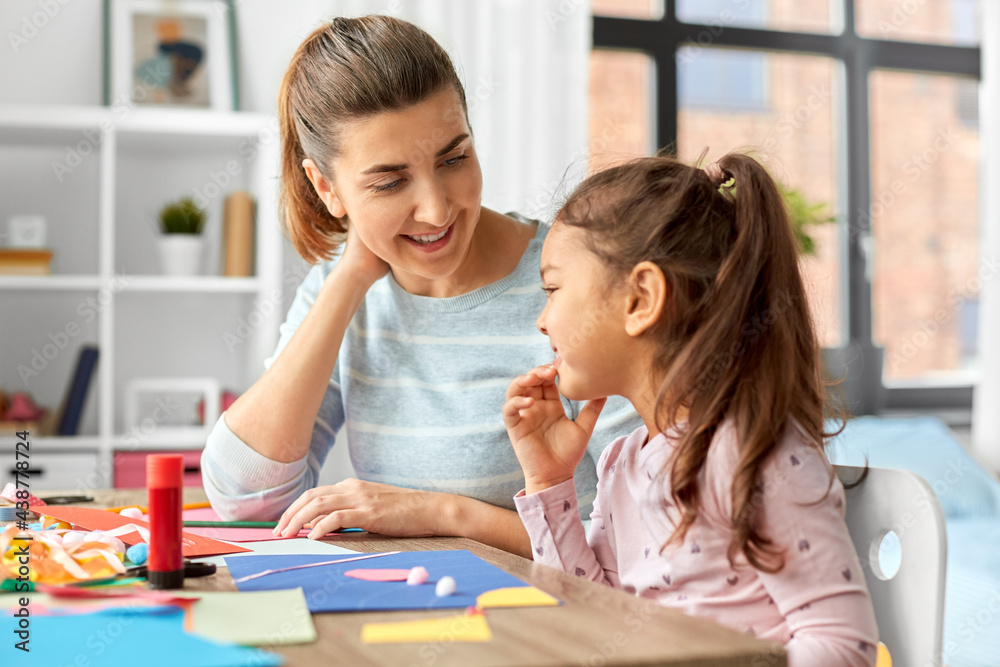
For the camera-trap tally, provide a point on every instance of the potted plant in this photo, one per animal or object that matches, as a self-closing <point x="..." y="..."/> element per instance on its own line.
<point x="854" y="366"/>
<point x="181" y="223"/>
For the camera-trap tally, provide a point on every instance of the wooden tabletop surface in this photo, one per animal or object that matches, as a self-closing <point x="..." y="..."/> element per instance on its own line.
<point x="596" y="625"/>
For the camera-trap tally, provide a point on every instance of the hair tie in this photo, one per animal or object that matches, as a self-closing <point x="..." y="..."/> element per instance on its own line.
<point x="717" y="175"/>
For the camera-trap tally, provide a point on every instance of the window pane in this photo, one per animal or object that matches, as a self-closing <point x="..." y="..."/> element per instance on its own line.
<point x="621" y="106"/>
<point x="798" y="15"/>
<point x="793" y="131"/>
<point x="939" y="21"/>
<point x="633" y="9"/>
<point x="925" y="224"/>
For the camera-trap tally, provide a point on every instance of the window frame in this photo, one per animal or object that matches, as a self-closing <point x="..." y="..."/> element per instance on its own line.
<point x="857" y="56"/>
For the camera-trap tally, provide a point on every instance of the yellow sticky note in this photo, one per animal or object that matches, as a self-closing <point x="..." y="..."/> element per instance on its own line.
<point x="519" y="596"/>
<point x="463" y="628"/>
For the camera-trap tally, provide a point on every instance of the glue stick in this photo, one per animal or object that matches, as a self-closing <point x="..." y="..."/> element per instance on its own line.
<point x="165" y="567"/>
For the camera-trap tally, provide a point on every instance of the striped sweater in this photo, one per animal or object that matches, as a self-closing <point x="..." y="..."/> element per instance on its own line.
<point x="419" y="384"/>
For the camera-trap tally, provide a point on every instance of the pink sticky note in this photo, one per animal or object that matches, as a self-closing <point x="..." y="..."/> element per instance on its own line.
<point x="384" y="574"/>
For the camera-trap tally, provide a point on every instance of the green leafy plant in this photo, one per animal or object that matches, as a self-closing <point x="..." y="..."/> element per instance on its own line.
<point x="803" y="214"/>
<point x="182" y="217"/>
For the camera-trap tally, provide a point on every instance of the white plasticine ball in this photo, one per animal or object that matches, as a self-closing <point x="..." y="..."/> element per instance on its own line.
<point x="445" y="587"/>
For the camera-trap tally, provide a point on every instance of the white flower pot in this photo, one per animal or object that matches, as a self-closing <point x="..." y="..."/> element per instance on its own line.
<point x="180" y="254"/>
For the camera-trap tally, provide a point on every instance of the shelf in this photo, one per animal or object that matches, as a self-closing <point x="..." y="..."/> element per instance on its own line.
<point x="62" y="283"/>
<point x="159" y="440"/>
<point x="209" y="284"/>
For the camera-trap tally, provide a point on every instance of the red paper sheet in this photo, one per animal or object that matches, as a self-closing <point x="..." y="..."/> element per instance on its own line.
<point x="89" y="518"/>
<point x="228" y="534"/>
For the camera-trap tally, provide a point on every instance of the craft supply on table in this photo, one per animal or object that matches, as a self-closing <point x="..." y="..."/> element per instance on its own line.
<point x="195" y="545"/>
<point x="327" y="588"/>
<point x="418" y="575"/>
<point x="461" y="628"/>
<point x="151" y="636"/>
<point x="165" y="480"/>
<point x="444" y="587"/>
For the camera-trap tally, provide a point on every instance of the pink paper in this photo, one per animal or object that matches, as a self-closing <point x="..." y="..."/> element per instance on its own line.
<point x="228" y="534"/>
<point x="384" y="574"/>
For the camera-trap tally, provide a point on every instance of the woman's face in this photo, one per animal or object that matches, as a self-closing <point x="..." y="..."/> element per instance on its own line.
<point x="410" y="183"/>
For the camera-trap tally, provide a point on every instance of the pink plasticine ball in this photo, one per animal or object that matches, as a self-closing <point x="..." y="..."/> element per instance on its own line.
<point x="418" y="575"/>
<point x="132" y="512"/>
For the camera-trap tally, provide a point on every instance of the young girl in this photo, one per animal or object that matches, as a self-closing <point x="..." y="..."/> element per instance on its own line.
<point x="678" y="288"/>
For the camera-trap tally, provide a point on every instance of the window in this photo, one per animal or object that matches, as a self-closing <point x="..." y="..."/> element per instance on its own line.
<point x="732" y="73"/>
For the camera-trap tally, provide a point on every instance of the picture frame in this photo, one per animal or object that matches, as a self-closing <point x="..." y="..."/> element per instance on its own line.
<point x="171" y="54"/>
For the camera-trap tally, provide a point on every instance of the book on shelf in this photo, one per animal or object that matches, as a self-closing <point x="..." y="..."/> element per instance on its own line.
<point x="76" y="394"/>
<point x="25" y="262"/>
<point x="237" y="257"/>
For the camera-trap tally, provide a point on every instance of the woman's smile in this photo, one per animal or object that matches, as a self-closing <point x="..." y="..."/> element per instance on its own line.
<point x="430" y="242"/>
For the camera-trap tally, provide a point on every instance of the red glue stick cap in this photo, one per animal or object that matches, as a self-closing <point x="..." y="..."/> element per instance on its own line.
<point x="164" y="471"/>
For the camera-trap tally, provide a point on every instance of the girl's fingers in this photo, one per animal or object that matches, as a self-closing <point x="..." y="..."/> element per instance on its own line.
<point x="587" y="419"/>
<point x="536" y="377"/>
<point x="513" y="406"/>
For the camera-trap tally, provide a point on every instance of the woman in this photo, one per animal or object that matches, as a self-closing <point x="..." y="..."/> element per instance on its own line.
<point x="411" y="336"/>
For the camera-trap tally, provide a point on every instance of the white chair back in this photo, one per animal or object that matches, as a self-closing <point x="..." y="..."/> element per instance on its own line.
<point x="909" y="606"/>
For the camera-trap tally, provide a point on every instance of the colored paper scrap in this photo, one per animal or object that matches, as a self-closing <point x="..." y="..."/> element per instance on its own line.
<point x="327" y="588"/>
<point x="519" y="596"/>
<point x="123" y="637"/>
<point x="464" y="628"/>
<point x="299" y="545"/>
<point x="261" y="618"/>
<point x="227" y="533"/>
<point x="252" y="619"/>
<point x="97" y="519"/>
<point x="383" y="574"/>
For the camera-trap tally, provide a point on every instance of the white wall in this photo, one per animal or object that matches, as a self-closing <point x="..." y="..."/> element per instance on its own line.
<point x="524" y="64"/>
<point x="986" y="408"/>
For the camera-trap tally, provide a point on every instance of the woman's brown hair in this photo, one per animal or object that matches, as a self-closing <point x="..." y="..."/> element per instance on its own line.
<point x="345" y="70"/>
<point x="736" y="339"/>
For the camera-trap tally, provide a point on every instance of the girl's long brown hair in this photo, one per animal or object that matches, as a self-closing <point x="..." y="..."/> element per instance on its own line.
<point x="345" y="70"/>
<point x="736" y="339"/>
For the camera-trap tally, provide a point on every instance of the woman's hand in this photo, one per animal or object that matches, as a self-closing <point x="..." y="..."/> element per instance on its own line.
<point x="547" y="443"/>
<point x="352" y="503"/>
<point x="360" y="259"/>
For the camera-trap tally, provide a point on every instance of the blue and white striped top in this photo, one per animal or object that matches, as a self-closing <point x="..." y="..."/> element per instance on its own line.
<point x="419" y="384"/>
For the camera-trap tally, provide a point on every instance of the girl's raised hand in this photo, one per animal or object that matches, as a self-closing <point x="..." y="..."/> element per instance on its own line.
<point x="547" y="443"/>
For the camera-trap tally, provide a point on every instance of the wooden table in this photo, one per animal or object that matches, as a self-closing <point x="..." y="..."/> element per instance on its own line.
<point x="596" y="625"/>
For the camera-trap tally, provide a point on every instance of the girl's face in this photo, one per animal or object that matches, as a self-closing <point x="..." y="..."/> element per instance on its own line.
<point x="584" y="318"/>
<point x="410" y="183"/>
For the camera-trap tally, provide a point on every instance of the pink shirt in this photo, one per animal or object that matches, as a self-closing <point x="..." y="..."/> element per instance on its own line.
<point x="817" y="606"/>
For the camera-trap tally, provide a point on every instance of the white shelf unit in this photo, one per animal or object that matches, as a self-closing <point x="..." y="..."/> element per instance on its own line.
<point x="100" y="175"/>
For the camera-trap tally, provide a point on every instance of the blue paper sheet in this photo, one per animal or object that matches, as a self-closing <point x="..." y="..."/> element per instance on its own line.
<point x="327" y="589"/>
<point x="147" y="636"/>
